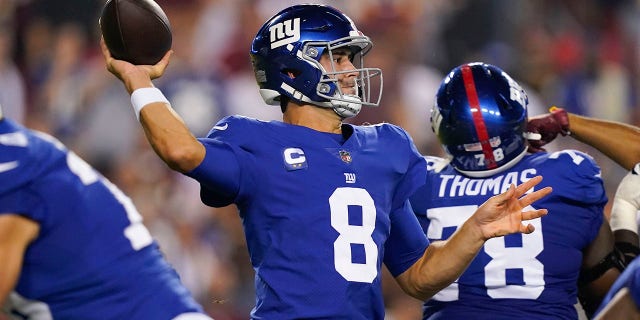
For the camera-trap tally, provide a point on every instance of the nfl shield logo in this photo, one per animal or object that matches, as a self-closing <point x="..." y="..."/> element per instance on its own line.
<point x="345" y="156"/>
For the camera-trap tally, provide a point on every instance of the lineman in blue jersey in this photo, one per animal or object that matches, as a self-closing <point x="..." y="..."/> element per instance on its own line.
<point x="480" y="117"/>
<point x="323" y="203"/>
<point x="72" y="245"/>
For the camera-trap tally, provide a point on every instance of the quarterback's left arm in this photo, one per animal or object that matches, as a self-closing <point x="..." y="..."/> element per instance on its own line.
<point x="16" y="233"/>
<point x="443" y="262"/>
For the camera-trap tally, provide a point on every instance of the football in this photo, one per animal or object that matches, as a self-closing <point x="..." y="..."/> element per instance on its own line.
<point x="137" y="31"/>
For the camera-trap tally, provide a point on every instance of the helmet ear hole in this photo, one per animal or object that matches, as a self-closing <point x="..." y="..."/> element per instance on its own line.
<point x="291" y="73"/>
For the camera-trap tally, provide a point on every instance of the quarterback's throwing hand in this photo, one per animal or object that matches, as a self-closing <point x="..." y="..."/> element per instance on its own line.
<point x="134" y="76"/>
<point x="503" y="214"/>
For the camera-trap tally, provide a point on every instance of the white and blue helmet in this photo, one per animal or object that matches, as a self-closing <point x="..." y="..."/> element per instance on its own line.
<point x="292" y="42"/>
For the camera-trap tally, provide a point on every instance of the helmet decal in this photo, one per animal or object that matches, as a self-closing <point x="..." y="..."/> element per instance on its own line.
<point x="285" y="32"/>
<point x="478" y="120"/>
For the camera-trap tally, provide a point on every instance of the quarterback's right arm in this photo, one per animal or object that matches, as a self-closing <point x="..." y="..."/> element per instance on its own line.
<point x="164" y="129"/>
<point x="16" y="233"/>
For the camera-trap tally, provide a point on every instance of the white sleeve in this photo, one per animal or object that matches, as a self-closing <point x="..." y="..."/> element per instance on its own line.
<point x="626" y="202"/>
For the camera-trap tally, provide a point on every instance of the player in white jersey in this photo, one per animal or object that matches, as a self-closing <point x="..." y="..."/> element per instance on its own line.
<point x="623" y="300"/>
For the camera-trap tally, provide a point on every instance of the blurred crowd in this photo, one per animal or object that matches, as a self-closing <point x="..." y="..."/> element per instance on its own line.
<point x="578" y="54"/>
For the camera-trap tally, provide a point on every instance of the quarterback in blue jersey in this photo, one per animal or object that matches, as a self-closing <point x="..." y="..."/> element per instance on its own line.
<point x="72" y="245"/>
<point x="480" y="115"/>
<point x="323" y="203"/>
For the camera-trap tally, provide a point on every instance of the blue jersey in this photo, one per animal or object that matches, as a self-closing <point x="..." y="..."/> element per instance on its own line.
<point x="528" y="276"/>
<point x="93" y="257"/>
<point x="630" y="279"/>
<point x="319" y="215"/>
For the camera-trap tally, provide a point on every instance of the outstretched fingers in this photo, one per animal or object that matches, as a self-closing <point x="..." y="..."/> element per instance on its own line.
<point x="529" y="215"/>
<point x="526" y="229"/>
<point x="535" y="196"/>
<point x="524" y="187"/>
<point x="517" y="192"/>
<point x="533" y="214"/>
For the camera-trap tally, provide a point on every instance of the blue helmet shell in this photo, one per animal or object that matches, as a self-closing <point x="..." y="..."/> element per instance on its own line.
<point x="480" y="117"/>
<point x="292" y="42"/>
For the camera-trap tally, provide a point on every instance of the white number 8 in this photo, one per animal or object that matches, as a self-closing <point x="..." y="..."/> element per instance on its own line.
<point x="502" y="257"/>
<point x="339" y="203"/>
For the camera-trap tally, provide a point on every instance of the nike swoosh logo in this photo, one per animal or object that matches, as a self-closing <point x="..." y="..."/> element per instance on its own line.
<point x="223" y="127"/>
<point x="6" y="166"/>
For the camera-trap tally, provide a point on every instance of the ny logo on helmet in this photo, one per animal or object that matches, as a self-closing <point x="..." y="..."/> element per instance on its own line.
<point x="285" y="32"/>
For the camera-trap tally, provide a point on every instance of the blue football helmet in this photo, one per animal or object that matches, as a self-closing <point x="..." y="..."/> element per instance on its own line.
<point x="292" y="42"/>
<point x="480" y="118"/>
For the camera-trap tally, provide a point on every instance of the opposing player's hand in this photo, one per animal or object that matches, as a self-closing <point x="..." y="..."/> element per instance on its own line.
<point x="503" y="214"/>
<point x="134" y="76"/>
<point x="544" y="128"/>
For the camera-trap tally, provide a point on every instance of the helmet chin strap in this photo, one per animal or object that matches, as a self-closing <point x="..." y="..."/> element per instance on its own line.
<point x="349" y="106"/>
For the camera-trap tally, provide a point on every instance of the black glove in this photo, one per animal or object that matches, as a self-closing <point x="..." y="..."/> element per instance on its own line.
<point x="629" y="251"/>
<point x="547" y="126"/>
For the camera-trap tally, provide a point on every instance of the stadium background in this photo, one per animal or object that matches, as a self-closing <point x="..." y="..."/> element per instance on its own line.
<point x="581" y="55"/>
